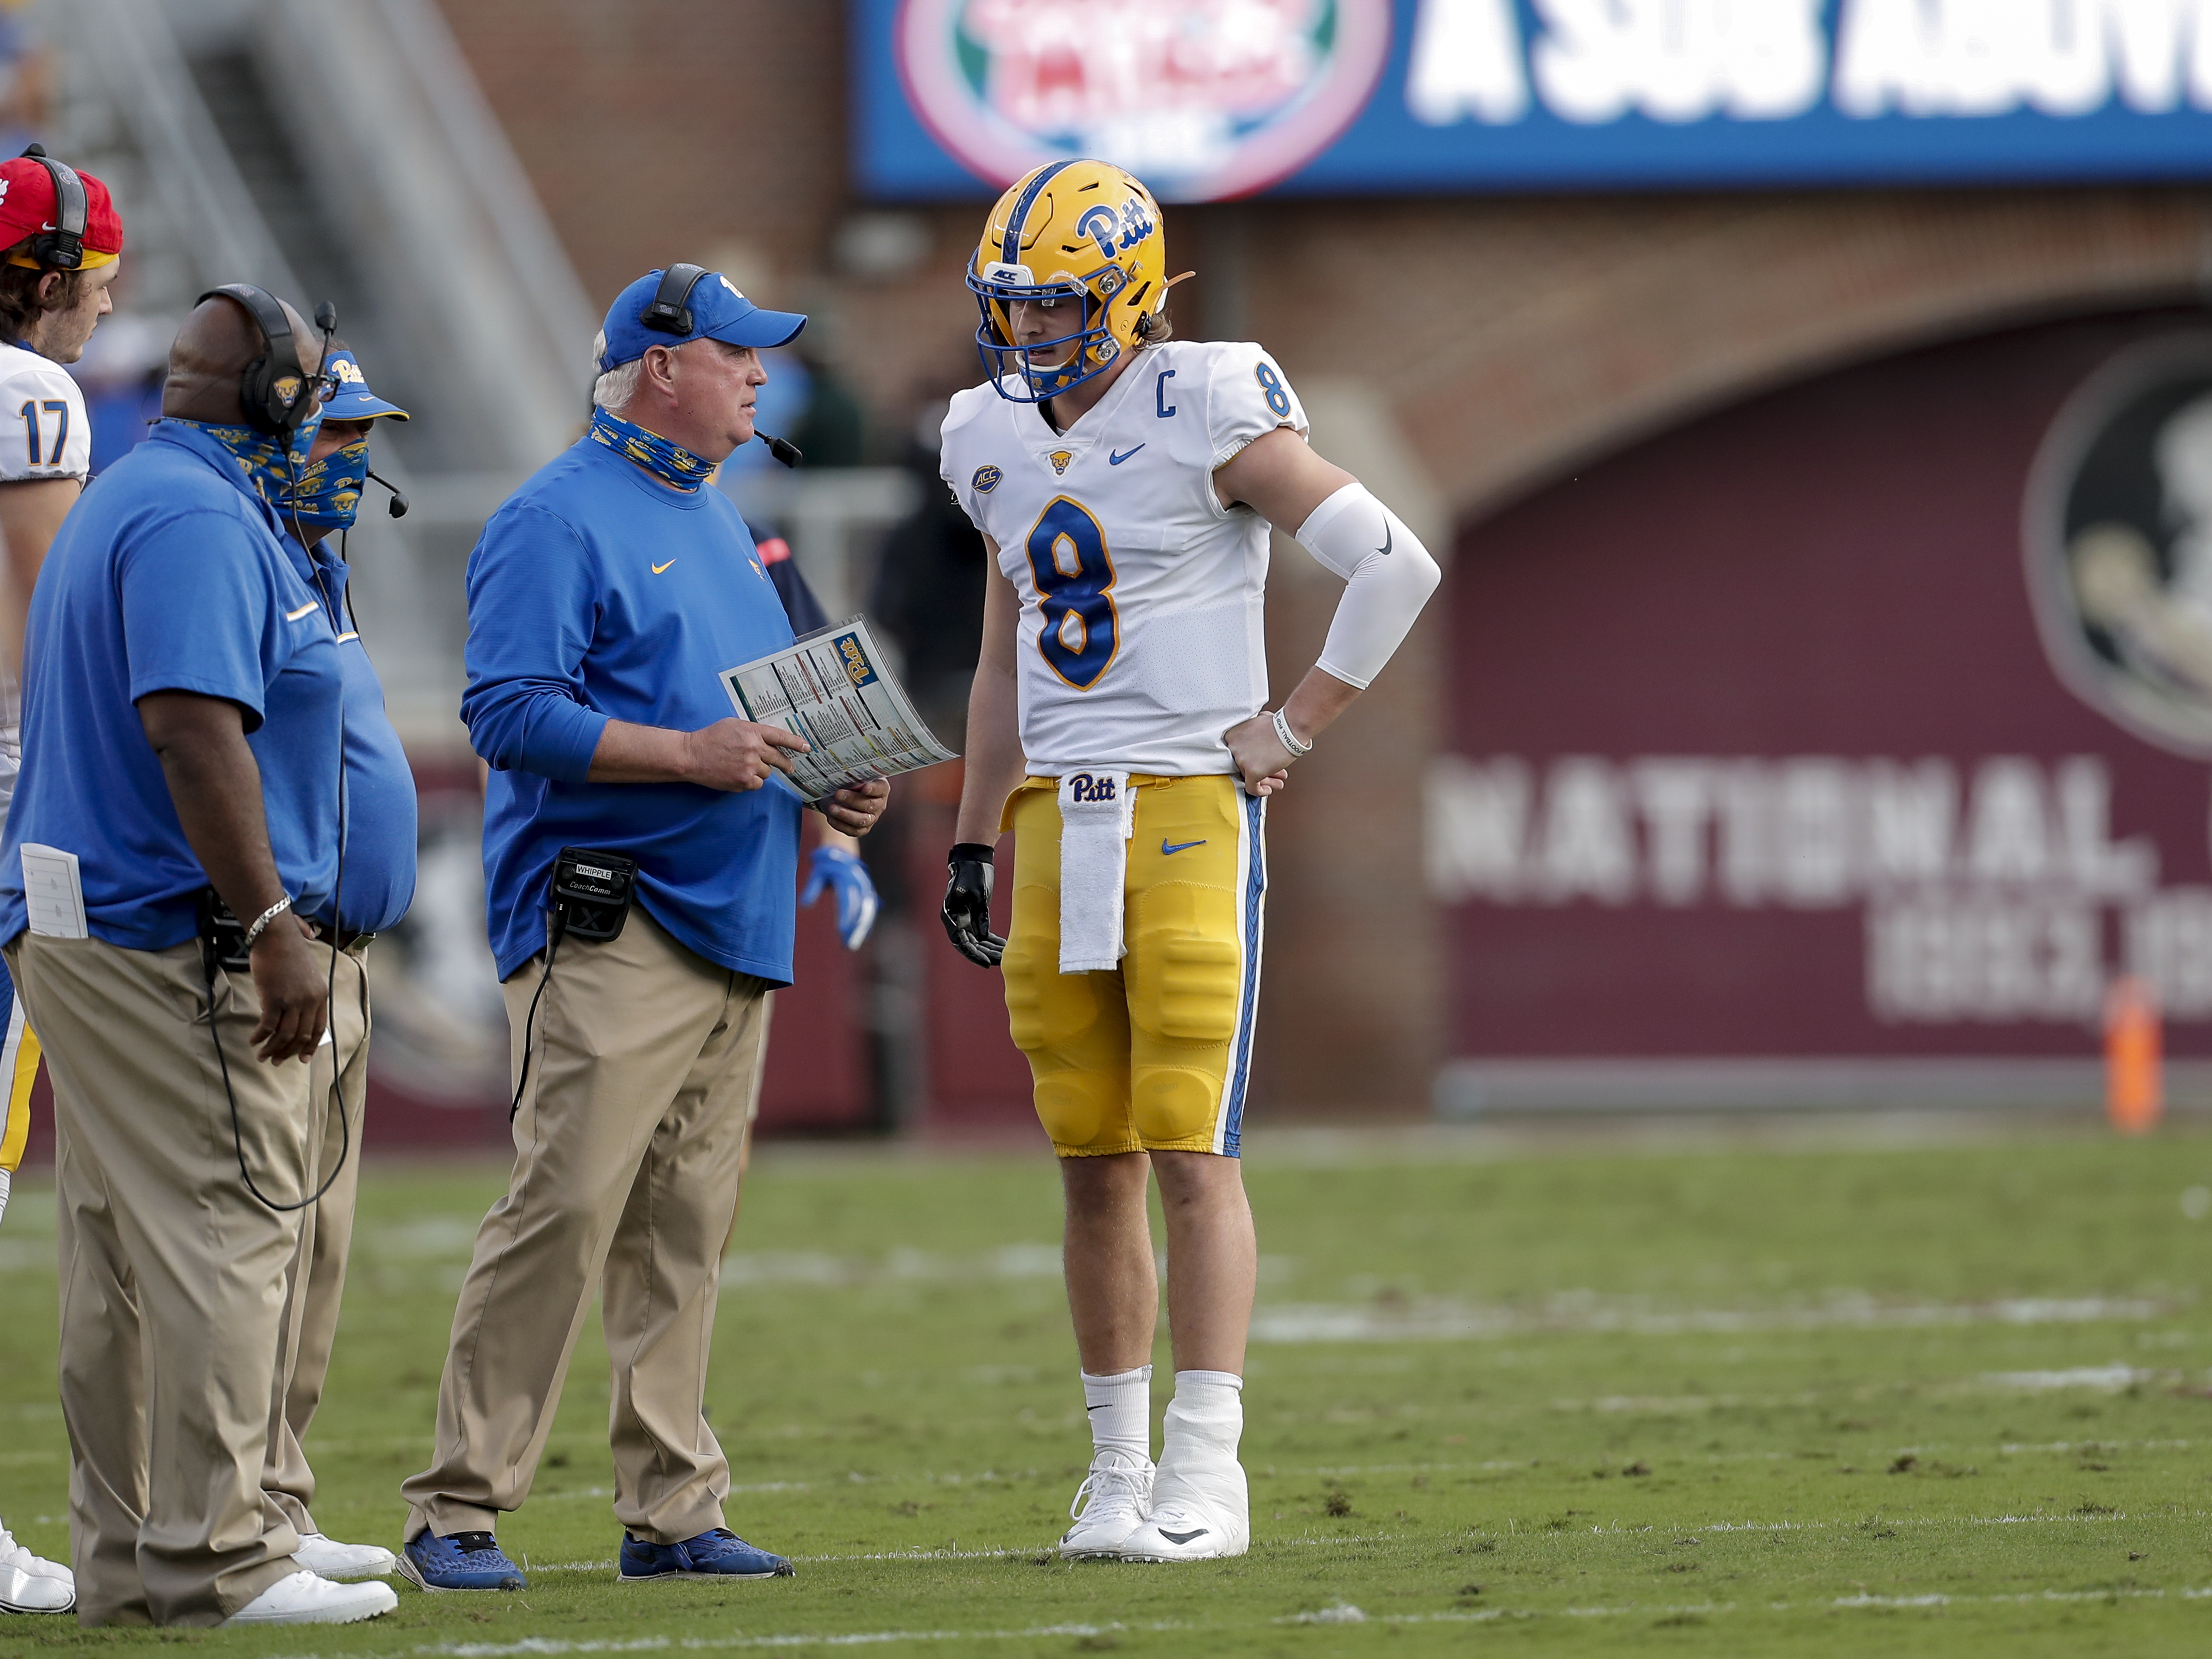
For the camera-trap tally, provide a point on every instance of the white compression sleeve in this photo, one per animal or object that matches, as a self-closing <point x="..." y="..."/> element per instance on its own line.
<point x="1389" y="576"/>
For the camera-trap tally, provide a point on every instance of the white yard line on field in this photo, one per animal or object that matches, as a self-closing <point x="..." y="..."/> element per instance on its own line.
<point x="548" y="1647"/>
<point x="1584" y="1313"/>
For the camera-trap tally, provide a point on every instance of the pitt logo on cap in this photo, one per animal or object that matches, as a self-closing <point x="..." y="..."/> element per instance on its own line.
<point x="1059" y="458"/>
<point x="987" y="479"/>
<point x="1084" y="786"/>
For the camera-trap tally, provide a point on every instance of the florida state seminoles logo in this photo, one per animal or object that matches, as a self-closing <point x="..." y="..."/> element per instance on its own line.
<point x="1200" y="98"/>
<point x="2118" y="533"/>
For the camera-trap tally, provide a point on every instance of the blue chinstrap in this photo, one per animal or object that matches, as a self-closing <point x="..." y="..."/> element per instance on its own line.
<point x="670" y="463"/>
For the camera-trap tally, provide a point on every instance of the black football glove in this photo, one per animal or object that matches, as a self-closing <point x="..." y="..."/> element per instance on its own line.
<point x="968" y="905"/>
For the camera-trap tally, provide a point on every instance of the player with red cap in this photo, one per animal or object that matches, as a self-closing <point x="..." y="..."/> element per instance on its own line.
<point x="64" y="242"/>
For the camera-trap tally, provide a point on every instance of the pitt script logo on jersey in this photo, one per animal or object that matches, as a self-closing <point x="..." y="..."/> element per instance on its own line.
<point x="1083" y="787"/>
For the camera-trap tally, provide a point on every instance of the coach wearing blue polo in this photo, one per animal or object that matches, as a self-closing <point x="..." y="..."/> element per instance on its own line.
<point x="180" y="719"/>
<point x="375" y="885"/>
<point x="604" y="597"/>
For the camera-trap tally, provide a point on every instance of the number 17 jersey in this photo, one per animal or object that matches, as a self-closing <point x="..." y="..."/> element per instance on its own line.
<point x="1140" y="639"/>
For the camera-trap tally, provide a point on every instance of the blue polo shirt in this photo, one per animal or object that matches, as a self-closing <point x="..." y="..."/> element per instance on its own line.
<point x="596" y="593"/>
<point x="170" y="575"/>
<point x="376" y="882"/>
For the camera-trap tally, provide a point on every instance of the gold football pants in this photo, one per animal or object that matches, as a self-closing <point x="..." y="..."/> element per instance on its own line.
<point x="1153" y="1056"/>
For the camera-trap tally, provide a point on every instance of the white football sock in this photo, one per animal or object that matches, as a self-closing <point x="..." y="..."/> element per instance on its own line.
<point x="1121" y="1412"/>
<point x="1207" y="1411"/>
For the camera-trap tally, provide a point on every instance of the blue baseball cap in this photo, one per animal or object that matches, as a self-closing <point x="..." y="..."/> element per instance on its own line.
<point x="353" y="400"/>
<point x="718" y="311"/>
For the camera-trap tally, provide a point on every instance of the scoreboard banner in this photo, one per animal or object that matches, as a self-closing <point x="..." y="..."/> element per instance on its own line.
<point x="1213" y="98"/>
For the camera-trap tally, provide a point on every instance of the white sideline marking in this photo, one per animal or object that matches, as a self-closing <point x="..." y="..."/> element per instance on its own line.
<point x="2109" y="1378"/>
<point x="1582" y="1313"/>
<point x="1340" y="1613"/>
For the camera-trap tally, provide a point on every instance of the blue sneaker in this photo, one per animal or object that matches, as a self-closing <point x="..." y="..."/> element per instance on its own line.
<point x="717" y="1554"/>
<point x="465" y="1561"/>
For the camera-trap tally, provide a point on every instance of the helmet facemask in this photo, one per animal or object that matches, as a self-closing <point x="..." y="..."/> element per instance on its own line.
<point x="1089" y="349"/>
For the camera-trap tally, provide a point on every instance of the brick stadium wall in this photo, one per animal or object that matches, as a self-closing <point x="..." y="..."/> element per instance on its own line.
<point x="1510" y="338"/>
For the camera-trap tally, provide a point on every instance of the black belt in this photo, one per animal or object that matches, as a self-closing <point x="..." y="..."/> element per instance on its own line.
<point x="339" y="938"/>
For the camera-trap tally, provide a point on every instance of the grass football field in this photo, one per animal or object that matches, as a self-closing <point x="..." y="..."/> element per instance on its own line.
<point x="1545" y="1398"/>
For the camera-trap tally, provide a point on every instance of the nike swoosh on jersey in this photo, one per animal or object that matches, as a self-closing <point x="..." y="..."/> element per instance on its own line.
<point x="658" y="568"/>
<point x="1182" y="1537"/>
<point x="1116" y="461"/>
<point x="1167" y="851"/>
<point x="1388" y="534"/>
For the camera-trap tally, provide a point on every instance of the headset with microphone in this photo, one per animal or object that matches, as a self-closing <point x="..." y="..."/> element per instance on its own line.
<point x="62" y="247"/>
<point x="274" y="388"/>
<point x="669" y="312"/>
<point x="278" y="395"/>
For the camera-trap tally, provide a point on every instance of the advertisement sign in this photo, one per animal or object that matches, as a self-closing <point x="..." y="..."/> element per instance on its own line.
<point x="1865" y="722"/>
<point x="1211" y="99"/>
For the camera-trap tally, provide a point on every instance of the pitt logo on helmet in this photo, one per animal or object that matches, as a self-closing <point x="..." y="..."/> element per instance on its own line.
<point x="1079" y="241"/>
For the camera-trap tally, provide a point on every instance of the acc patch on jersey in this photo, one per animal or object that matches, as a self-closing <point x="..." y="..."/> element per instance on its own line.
<point x="1059" y="458"/>
<point x="987" y="479"/>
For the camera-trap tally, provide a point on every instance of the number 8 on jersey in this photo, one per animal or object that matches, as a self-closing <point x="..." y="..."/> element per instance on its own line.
<point x="1074" y="576"/>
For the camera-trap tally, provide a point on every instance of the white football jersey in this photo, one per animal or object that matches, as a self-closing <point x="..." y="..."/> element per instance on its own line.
<point x="44" y="433"/>
<point x="1140" y="639"/>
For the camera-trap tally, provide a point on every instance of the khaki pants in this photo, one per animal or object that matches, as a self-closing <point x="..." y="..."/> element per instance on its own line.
<point x="316" y="1279"/>
<point x="172" y="1275"/>
<point x="644" y="1073"/>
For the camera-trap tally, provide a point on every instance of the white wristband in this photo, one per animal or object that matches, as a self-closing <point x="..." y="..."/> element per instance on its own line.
<point x="1288" y="738"/>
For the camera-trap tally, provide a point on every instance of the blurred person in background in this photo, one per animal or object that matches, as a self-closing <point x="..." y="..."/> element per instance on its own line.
<point x="604" y="598"/>
<point x="835" y="866"/>
<point x="181" y="775"/>
<point x="26" y="76"/>
<point x="374" y="885"/>
<point x="928" y="588"/>
<point x="1124" y="483"/>
<point x="120" y="375"/>
<point x="64" y="245"/>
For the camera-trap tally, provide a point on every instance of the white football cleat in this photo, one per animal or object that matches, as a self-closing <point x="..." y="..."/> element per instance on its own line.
<point x="30" y="1583"/>
<point x="305" y="1599"/>
<point x="1201" y="1511"/>
<point x="1109" y="1505"/>
<point x="326" y="1557"/>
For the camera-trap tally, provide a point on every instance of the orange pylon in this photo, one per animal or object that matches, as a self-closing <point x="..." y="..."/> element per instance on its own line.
<point x="2134" y="1081"/>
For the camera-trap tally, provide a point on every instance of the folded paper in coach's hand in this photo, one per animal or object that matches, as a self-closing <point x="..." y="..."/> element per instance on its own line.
<point x="833" y="688"/>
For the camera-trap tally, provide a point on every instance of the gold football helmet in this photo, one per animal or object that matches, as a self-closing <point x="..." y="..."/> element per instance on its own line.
<point x="1080" y="229"/>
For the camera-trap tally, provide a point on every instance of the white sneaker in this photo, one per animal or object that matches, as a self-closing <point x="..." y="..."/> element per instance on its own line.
<point x="29" y="1583"/>
<point x="304" y="1599"/>
<point x="328" y="1558"/>
<point x="1108" y="1505"/>
<point x="1201" y="1509"/>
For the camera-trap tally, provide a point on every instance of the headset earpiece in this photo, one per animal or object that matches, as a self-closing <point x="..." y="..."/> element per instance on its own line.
<point x="670" y="312"/>
<point x="274" y="389"/>
<point x="63" y="247"/>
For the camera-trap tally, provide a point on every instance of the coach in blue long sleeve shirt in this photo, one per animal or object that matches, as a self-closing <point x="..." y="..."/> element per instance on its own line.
<point x="374" y="885"/>
<point x="604" y="598"/>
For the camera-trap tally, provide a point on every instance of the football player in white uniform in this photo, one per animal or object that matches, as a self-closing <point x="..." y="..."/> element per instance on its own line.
<point x="1120" y="724"/>
<point x="63" y="240"/>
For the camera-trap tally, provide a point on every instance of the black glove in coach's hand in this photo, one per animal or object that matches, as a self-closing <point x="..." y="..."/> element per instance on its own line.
<point x="968" y="905"/>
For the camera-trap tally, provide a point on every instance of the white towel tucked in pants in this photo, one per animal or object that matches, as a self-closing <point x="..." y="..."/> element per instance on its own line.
<point x="1097" y="815"/>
